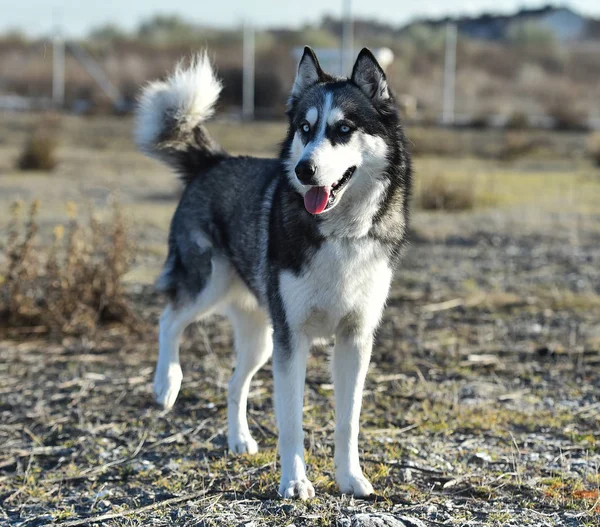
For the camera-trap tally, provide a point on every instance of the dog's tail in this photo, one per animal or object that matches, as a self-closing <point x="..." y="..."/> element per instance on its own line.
<point x="170" y="116"/>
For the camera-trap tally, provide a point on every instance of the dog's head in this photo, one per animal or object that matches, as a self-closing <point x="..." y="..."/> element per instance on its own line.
<point x="342" y="132"/>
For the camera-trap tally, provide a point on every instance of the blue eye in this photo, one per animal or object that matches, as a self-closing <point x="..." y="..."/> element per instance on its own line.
<point x="305" y="128"/>
<point x="344" y="128"/>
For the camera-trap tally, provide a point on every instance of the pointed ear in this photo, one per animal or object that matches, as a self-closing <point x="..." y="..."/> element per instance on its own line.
<point x="369" y="77"/>
<point x="309" y="72"/>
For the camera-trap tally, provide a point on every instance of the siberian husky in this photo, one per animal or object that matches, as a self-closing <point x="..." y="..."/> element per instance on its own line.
<point x="292" y="250"/>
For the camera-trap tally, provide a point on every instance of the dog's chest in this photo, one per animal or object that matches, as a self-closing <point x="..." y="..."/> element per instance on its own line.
<point x="343" y="280"/>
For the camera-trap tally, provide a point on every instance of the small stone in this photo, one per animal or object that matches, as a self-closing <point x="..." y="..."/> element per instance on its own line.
<point x="411" y="522"/>
<point x="376" y="520"/>
<point x="172" y="466"/>
<point x="481" y="458"/>
<point x="406" y="475"/>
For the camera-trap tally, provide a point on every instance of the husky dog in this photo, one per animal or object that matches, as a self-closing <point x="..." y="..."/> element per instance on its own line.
<point x="292" y="250"/>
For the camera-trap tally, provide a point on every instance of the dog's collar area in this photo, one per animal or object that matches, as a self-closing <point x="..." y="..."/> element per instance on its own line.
<point x="339" y="185"/>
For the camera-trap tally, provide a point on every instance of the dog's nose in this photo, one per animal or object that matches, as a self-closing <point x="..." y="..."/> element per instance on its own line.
<point x="305" y="171"/>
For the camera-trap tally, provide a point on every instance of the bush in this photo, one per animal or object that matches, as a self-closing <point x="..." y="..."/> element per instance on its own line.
<point x="593" y="148"/>
<point x="518" y="121"/>
<point x="566" y="118"/>
<point x="39" y="152"/>
<point x="480" y="122"/>
<point x="70" y="288"/>
<point x="516" y="145"/>
<point x="441" y="193"/>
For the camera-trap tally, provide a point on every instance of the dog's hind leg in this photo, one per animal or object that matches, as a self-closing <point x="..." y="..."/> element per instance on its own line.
<point x="253" y="346"/>
<point x="167" y="379"/>
<point x="197" y="294"/>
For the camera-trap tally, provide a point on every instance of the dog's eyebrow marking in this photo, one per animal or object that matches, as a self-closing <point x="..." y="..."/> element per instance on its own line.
<point x="335" y="115"/>
<point x="312" y="115"/>
<point x="320" y="133"/>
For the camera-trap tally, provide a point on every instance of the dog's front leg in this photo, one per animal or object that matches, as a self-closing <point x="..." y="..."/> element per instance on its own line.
<point x="350" y="363"/>
<point x="289" y="371"/>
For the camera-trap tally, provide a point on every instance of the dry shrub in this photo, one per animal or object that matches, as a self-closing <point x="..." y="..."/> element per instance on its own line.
<point x="518" y="121"/>
<point x="481" y="121"/>
<point x="39" y="151"/>
<point x="516" y="145"/>
<point x="566" y="118"/>
<point x="431" y="141"/>
<point x="72" y="287"/>
<point x="442" y="193"/>
<point x="593" y="148"/>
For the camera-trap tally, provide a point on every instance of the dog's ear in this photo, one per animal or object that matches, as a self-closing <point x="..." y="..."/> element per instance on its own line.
<point x="369" y="77"/>
<point x="309" y="72"/>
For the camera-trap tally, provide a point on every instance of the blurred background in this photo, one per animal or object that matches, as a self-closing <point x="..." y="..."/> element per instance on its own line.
<point x="532" y="64"/>
<point x="486" y="368"/>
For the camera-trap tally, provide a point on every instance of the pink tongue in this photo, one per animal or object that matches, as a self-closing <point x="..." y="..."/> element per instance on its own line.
<point x="315" y="200"/>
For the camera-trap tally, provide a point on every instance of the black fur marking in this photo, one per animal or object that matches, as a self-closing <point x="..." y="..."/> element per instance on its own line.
<point x="293" y="233"/>
<point x="190" y="152"/>
<point x="368" y="76"/>
<point x="336" y="136"/>
<point x="187" y="274"/>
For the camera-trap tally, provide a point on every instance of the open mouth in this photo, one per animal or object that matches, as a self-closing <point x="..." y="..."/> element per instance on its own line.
<point x="320" y="199"/>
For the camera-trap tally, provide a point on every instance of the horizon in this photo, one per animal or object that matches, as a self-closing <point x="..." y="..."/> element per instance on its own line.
<point x="76" y="20"/>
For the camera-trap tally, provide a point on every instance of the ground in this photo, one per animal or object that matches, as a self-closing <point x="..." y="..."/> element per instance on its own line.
<point x="482" y="404"/>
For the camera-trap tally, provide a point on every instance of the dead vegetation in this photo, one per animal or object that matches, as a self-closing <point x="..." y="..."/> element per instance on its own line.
<point x="593" y="146"/>
<point x="442" y="193"/>
<point x="566" y="117"/>
<point x="493" y="77"/>
<point x="475" y="413"/>
<point x="517" y="145"/>
<point x="39" y="151"/>
<point x="71" y="287"/>
<point x="481" y="405"/>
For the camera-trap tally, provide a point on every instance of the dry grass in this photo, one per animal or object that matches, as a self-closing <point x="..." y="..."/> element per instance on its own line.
<point x="518" y="121"/>
<point x="567" y="118"/>
<point x="442" y="193"/>
<point x="39" y="151"/>
<point x="71" y="287"/>
<point x="489" y="345"/>
<point x="593" y="148"/>
<point x="517" y="145"/>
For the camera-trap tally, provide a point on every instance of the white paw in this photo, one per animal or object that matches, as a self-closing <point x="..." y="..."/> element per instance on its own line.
<point x="167" y="382"/>
<point x="355" y="484"/>
<point x="242" y="444"/>
<point x="301" y="489"/>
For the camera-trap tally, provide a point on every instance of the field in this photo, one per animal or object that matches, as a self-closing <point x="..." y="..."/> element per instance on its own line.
<point x="482" y="405"/>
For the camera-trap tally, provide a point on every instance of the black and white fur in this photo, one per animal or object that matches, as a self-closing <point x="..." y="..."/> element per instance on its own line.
<point x="242" y="243"/>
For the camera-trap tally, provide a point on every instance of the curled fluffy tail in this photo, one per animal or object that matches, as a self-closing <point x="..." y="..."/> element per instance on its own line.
<point x="170" y="116"/>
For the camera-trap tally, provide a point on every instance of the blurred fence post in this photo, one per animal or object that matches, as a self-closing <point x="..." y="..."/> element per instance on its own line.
<point x="248" y="77"/>
<point x="449" y="74"/>
<point x="347" y="37"/>
<point x="58" y="68"/>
